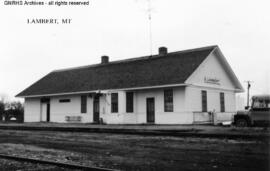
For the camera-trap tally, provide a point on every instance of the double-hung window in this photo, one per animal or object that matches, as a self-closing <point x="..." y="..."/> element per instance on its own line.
<point x="222" y="102"/>
<point x="168" y="100"/>
<point x="204" y="101"/>
<point x="129" y="102"/>
<point x="114" y="102"/>
<point x="83" y="104"/>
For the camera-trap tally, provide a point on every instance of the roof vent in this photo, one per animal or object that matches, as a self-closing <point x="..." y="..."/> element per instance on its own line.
<point x="162" y="51"/>
<point x="104" y="59"/>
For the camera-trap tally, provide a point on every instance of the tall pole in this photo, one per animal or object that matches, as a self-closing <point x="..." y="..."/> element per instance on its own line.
<point x="149" y="10"/>
<point x="248" y="87"/>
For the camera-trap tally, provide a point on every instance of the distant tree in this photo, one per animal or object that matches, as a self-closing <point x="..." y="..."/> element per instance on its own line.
<point x="16" y="105"/>
<point x="15" y="110"/>
<point x="2" y="107"/>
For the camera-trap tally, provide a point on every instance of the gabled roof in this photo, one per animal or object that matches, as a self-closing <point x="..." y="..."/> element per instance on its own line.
<point x="172" y="68"/>
<point x="229" y="70"/>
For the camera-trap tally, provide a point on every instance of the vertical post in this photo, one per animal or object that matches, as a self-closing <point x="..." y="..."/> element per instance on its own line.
<point x="248" y="87"/>
<point x="149" y="10"/>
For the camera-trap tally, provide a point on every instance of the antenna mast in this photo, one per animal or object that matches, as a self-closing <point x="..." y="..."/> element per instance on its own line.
<point x="149" y="10"/>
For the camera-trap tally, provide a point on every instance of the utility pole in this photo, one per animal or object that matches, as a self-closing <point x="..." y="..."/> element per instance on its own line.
<point x="248" y="87"/>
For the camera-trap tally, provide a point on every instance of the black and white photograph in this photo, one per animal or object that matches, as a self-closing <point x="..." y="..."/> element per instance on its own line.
<point x="134" y="85"/>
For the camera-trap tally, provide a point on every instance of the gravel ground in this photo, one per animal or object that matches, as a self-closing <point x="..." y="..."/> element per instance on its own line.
<point x="134" y="152"/>
<point x="36" y="152"/>
<point x="12" y="165"/>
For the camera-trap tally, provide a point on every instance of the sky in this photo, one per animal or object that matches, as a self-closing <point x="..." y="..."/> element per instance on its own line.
<point x="120" y="29"/>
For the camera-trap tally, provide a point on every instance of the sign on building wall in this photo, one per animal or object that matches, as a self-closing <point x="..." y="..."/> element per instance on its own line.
<point x="210" y="80"/>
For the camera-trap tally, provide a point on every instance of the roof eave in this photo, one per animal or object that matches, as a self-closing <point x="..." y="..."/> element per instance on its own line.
<point x="98" y="91"/>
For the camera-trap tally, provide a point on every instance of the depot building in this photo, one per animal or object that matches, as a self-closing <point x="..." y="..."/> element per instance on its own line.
<point x="180" y="87"/>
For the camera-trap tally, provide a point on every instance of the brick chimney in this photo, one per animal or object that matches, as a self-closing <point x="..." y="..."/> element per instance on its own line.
<point x="104" y="59"/>
<point x="162" y="50"/>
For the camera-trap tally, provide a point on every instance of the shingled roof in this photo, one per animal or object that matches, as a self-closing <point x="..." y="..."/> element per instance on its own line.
<point x="171" y="68"/>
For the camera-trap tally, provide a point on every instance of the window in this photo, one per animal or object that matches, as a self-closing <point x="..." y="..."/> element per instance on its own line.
<point x="204" y="101"/>
<point x="83" y="104"/>
<point x="222" y="102"/>
<point x="114" y="102"/>
<point x="129" y="102"/>
<point x="168" y="100"/>
<point x="261" y="105"/>
<point x="64" y="100"/>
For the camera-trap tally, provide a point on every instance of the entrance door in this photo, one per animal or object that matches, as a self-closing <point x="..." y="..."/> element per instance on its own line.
<point x="150" y="110"/>
<point x="48" y="112"/>
<point x="43" y="112"/>
<point x="96" y="109"/>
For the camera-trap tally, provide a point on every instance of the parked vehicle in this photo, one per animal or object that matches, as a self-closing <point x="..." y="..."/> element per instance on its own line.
<point x="257" y="114"/>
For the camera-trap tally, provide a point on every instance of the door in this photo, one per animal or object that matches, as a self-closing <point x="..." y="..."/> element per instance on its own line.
<point x="96" y="109"/>
<point x="43" y="112"/>
<point x="260" y="115"/>
<point x="150" y="110"/>
<point x="260" y="111"/>
<point x="48" y="112"/>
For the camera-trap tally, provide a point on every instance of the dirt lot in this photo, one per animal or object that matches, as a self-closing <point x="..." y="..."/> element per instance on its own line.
<point x="136" y="152"/>
<point x="11" y="165"/>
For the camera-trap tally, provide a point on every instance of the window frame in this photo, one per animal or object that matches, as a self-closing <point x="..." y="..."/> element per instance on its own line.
<point x="204" y="100"/>
<point x="168" y="100"/>
<point x="222" y="101"/>
<point x="265" y="107"/>
<point x="83" y="103"/>
<point x="114" y="103"/>
<point x="129" y="102"/>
